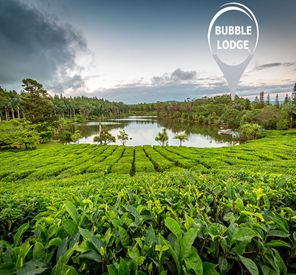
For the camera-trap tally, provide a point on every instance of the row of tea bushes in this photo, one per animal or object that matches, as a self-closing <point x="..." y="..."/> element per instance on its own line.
<point x="177" y="222"/>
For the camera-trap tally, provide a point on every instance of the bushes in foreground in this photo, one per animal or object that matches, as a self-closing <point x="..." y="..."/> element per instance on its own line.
<point x="170" y="223"/>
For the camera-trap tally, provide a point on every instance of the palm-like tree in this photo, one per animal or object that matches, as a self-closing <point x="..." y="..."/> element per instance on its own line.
<point x="182" y="137"/>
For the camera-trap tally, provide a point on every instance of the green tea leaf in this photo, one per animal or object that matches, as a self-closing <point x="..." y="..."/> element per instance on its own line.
<point x="69" y="270"/>
<point x="277" y="233"/>
<point x="193" y="262"/>
<point x="187" y="242"/>
<point x="123" y="235"/>
<point x="250" y="265"/>
<point x="32" y="267"/>
<point x="244" y="234"/>
<point x="54" y="242"/>
<point x="18" y="235"/>
<point x="123" y="267"/>
<point x="70" y="227"/>
<point x="278" y="243"/>
<point x="173" y="226"/>
<point x="7" y="268"/>
<point x="210" y="269"/>
<point x="63" y="260"/>
<point x="91" y="255"/>
<point x="62" y="248"/>
<point x="38" y="251"/>
<point x="71" y="209"/>
<point x="97" y="243"/>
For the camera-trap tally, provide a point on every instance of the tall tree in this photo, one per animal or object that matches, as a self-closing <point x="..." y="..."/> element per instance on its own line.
<point x="277" y="102"/>
<point x="290" y="109"/>
<point x="286" y="99"/>
<point x="261" y="99"/>
<point x="268" y="99"/>
<point x="294" y="95"/>
<point x="37" y="105"/>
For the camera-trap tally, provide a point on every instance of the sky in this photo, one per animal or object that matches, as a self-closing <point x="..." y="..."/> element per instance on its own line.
<point x="138" y="50"/>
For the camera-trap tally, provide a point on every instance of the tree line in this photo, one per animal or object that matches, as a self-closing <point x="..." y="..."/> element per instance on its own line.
<point x="33" y="116"/>
<point x="35" y="104"/>
<point x="223" y="111"/>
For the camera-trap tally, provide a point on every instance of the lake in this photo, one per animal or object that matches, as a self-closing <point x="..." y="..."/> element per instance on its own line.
<point x="144" y="129"/>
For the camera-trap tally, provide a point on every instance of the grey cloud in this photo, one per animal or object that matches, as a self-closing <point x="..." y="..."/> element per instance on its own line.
<point x="175" y="77"/>
<point x="179" y="92"/>
<point x="276" y="64"/>
<point x="75" y="82"/>
<point x="34" y="45"/>
<point x="179" y="75"/>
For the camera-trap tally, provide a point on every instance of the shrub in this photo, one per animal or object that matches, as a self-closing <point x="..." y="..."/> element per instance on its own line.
<point x="251" y="131"/>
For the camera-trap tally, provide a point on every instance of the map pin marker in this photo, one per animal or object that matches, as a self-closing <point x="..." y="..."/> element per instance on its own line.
<point x="233" y="73"/>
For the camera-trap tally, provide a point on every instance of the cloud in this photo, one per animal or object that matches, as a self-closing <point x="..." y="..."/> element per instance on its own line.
<point x="34" y="45"/>
<point x="273" y="65"/>
<point x="68" y="84"/>
<point x="177" y="76"/>
<point x="179" y="92"/>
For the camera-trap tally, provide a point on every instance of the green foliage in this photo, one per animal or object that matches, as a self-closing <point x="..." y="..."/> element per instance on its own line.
<point x="251" y="131"/>
<point x="232" y="117"/>
<point x="17" y="134"/>
<point x="76" y="136"/>
<point x="282" y="124"/>
<point x="181" y="137"/>
<point x="123" y="137"/>
<point x="37" y="104"/>
<point x="268" y="117"/>
<point x="75" y="209"/>
<point x="177" y="223"/>
<point x="65" y="137"/>
<point x="162" y="137"/>
<point x="105" y="137"/>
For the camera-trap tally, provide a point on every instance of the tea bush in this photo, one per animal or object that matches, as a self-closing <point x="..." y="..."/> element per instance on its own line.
<point x="86" y="209"/>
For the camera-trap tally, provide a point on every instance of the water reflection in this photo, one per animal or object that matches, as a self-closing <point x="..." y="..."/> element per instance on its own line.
<point x="143" y="131"/>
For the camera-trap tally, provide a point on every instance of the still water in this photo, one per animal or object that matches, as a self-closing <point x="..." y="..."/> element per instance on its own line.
<point x="144" y="129"/>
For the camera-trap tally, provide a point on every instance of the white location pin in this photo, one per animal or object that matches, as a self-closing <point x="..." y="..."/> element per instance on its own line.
<point x="236" y="39"/>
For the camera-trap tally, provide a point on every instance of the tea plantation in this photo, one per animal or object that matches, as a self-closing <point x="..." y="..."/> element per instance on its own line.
<point x="87" y="209"/>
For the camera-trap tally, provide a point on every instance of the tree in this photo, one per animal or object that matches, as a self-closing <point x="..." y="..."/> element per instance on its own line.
<point x="162" y="137"/>
<point x="231" y="117"/>
<point x="76" y="136"/>
<point x="294" y="96"/>
<point x="290" y="110"/>
<point x="65" y="137"/>
<point x="277" y="102"/>
<point x="17" y="134"/>
<point x="251" y="131"/>
<point x="123" y="137"/>
<point x="286" y="99"/>
<point x="268" y="99"/>
<point x="268" y="117"/>
<point x="104" y="138"/>
<point x="261" y="100"/>
<point x="181" y="137"/>
<point x="256" y="102"/>
<point x="97" y="139"/>
<point x="37" y="104"/>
